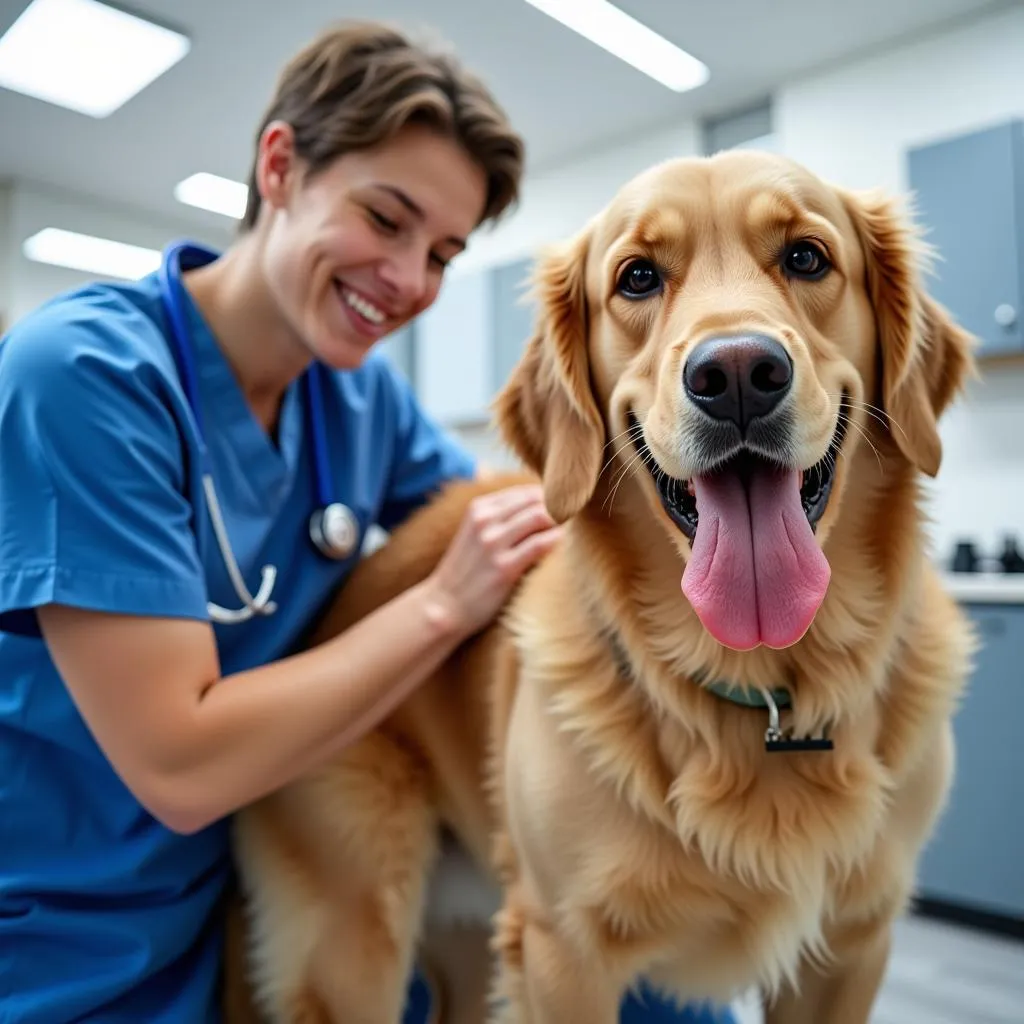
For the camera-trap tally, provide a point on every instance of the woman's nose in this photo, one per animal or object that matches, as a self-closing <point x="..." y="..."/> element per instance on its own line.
<point x="407" y="278"/>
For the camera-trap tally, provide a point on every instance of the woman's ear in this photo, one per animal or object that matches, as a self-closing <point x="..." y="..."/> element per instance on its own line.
<point x="546" y="412"/>
<point x="925" y="356"/>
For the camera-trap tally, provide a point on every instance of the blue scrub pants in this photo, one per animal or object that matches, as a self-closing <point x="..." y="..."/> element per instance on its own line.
<point x="646" y="1010"/>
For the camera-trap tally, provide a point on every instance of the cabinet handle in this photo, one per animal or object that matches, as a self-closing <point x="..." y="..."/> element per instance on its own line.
<point x="1006" y="315"/>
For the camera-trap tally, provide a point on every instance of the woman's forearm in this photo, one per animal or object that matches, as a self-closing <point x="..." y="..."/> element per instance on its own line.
<point x="194" y="745"/>
<point x="259" y="729"/>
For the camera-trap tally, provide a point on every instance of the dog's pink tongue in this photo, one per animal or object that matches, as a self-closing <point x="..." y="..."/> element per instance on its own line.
<point x="756" y="574"/>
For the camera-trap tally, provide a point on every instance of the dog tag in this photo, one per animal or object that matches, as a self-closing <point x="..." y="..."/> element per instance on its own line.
<point x="777" y="742"/>
<point x="785" y="744"/>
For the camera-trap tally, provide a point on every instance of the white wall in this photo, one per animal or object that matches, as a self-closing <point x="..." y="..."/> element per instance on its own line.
<point x="29" y="207"/>
<point x="851" y="124"/>
<point x="557" y="202"/>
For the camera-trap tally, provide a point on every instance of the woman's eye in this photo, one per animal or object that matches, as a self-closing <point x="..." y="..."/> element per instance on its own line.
<point x="383" y="222"/>
<point x="639" y="280"/>
<point x="806" y="259"/>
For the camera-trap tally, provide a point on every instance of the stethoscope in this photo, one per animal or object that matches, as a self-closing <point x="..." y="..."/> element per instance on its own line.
<point x="333" y="527"/>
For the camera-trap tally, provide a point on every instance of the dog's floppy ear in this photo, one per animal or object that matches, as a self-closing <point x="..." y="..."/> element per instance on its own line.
<point x="546" y="411"/>
<point x="925" y="356"/>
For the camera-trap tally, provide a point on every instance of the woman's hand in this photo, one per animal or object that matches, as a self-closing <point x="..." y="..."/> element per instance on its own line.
<point x="501" y="536"/>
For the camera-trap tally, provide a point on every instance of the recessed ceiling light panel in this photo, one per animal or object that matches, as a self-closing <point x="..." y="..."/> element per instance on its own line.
<point x="622" y="35"/>
<point x="90" y="254"/>
<point x="84" y="55"/>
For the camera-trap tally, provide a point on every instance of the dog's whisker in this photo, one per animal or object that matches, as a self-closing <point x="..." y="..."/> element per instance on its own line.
<point x="883" y="418"/>
<point x="864" y="434"/>
<point x="634" y="430"/>
<point x="609" y="501"/>
<point x="642" y="458"/>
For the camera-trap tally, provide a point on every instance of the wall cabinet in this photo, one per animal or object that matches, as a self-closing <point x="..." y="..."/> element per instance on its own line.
<point x="512" y="318"/>
<point x="976" y="857"/>
<point x="399" y="348"/>
<point x="969" y="192"/>
<point x="460" y="352"/>
<point x="453" y="351"/>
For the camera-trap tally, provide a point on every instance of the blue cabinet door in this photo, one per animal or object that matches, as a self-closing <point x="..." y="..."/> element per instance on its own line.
<point x="969" y="193"/>
<point x="976" y="857"/>
<point x="512" y="315"/>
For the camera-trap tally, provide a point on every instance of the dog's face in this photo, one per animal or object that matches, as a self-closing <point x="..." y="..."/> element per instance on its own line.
<point x="734" y="325"/>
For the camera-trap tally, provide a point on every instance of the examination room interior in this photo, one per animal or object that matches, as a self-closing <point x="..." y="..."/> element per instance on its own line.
<point x="916" y="96"/>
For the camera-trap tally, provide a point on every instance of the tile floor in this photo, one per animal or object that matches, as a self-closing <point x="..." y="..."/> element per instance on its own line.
<point x="943" y="974"/>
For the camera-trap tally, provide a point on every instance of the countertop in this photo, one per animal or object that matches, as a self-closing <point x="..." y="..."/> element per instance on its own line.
<point x="985" y="587"/>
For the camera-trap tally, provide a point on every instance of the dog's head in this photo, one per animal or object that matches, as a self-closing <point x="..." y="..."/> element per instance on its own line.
<point x="739" y="327"/>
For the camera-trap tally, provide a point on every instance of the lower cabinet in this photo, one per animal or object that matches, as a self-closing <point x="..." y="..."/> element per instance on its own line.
<point x="976" y="857"/>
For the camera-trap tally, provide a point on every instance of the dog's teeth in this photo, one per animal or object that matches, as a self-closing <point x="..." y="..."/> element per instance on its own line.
<point x="689" y="489"/>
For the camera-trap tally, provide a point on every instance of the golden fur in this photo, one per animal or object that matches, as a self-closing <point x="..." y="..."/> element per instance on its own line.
<point x="634" y="820"/>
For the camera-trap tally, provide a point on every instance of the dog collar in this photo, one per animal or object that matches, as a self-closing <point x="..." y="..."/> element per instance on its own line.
<point x="773" y="700"/>
<point x="776" y="699"/>
<point x="748" y="696"/>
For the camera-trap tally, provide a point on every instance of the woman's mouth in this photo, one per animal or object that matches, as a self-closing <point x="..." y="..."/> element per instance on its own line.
<point x="365" y="314"/>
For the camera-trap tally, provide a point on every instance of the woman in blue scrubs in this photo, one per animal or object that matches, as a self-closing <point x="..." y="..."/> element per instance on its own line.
<point x="132" y="721"/>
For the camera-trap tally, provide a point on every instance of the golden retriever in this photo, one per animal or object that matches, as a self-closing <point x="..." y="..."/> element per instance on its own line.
<point x="730" y="397"/>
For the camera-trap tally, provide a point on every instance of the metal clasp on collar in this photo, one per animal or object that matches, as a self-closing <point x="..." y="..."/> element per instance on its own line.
<point x="777" y="742"/>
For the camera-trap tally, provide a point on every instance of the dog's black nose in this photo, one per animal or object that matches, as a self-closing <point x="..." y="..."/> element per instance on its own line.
<point x="738" y="378"/>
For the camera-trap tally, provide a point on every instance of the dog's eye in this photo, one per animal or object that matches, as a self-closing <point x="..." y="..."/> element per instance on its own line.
<point x="806" y="259"/>
<point x="639" y="280"/>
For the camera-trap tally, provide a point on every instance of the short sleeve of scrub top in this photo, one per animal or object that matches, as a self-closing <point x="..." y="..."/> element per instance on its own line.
<point x="94" y="509"/>
<point x="105" y="914"/>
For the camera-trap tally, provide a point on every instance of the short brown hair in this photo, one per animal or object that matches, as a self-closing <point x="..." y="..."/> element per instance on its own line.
<point x="359" y="84"/>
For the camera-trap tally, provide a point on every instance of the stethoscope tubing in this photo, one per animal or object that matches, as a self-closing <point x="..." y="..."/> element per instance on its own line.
<point x="327" y="514"/>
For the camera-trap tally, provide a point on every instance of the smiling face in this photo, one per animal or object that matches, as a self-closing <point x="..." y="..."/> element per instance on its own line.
<point x="357" y="250"/>
<point x="725" y="321"/>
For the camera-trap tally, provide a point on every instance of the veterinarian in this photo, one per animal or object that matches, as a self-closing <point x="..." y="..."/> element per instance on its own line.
<point x="188" y="467"/>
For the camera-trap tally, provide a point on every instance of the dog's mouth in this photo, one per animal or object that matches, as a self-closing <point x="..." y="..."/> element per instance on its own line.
<point x="679" y="496"/>
<point x="756" y="573"/>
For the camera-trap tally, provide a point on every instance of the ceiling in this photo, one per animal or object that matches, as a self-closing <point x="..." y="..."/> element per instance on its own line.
<point x="566" y="95"/>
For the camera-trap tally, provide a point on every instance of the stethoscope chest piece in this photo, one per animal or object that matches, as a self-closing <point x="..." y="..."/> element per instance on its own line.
<point x="334" y="530"/>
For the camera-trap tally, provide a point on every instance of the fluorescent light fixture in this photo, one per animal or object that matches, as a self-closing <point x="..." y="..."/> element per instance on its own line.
<point x="90" y="254"/>
<point x="622" y="35"/>
<point x="212" y="192"/>
<point x="84" y="55"/>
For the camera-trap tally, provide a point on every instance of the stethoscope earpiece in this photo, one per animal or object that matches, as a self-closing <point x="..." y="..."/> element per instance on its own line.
<point x="333" y="527"/>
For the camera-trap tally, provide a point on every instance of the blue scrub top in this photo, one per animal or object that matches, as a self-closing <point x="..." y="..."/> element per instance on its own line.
<point x="105" y="914"/>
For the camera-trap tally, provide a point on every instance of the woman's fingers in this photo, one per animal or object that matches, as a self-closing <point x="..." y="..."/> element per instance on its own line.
<point x="533" y="549"/>
<point x="501" y="504"/>
<point x="517" y="525"/>
<point x="502" y="535"/>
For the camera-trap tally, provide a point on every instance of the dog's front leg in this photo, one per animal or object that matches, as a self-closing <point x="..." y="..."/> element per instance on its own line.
<point x="845" y="991"/>
<point x="545" y="978"/>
